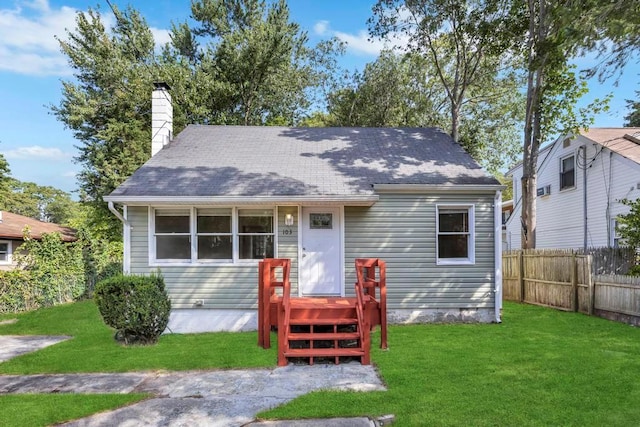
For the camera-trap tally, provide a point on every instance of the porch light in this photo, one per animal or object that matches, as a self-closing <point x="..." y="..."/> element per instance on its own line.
<point x="288" y="220"/>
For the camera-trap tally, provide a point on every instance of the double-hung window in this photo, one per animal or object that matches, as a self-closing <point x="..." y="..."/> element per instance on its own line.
<point x="209" y="235"/>
<point x="255" y="233"/>
<point x="214" y="234"/>
<point x="173" y="234"/>
<point x="567" y="172"/>
<point x="455" y="235"/>
<point x="5" y="252"/>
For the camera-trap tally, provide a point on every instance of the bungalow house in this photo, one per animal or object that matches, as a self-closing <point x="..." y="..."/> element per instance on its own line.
<point x="581" y="181"/>
<point x="12" y="228"/>
<point x="214" y="200"/>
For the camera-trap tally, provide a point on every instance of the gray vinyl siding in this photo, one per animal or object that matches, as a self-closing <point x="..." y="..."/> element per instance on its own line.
<point x="228" y="286"/>
<point x="401" y="229"/>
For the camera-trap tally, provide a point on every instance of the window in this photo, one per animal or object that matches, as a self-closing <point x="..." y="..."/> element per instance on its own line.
<point x="616" y="240"/>
<point x="173" y="234"/>
<point x="255" y="233"/>
<point x="567" y="172"/>
<point x="214" y="234"/>
<point x="204" y="235"/>
<point x="455" y="242"/>
<point x="5" y="252"/>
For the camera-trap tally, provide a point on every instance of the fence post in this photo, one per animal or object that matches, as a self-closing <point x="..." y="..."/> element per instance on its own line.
<point x="521" y="274"/>
<point x="574" y="282"/>
<point x="591" y="286"/>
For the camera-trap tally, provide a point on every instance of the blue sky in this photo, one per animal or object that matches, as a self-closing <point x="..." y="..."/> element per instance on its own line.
<point x="38" y="147"/>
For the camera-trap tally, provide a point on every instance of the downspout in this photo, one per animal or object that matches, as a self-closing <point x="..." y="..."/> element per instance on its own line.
<point x="608" y="210"/>
<point x="497" y="220"/>
<point x="584" y="195"/>
<point x="126" y="259"/>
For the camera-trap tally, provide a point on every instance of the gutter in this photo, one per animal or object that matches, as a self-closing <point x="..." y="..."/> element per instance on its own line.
<point x="363" y="200"/>
<point x="118" y="215"/>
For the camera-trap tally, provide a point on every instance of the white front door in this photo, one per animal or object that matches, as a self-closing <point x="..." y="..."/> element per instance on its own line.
<point x="321" y="252"/>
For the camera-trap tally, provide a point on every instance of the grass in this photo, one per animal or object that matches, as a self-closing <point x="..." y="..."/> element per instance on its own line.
<point x="539" y="367"/>
<point x="93" y="348"/>
<point x="29" y="410"/>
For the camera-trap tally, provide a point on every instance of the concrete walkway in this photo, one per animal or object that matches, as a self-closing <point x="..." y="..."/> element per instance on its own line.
<point x="16" y="345"/>
<point x="195" y="398"/>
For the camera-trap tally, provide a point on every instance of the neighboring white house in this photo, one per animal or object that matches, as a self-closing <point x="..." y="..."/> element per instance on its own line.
<point x="581" y="182"/>
<point x="215" y="200"/>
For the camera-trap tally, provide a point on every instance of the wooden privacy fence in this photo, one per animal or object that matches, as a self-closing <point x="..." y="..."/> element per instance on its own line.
<point x="565" y="280"/>
<point x="618" y="298"/>
<point x="552" y="278"/>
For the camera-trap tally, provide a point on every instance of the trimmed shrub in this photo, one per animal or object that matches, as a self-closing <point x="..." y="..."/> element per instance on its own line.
<point x="137" y="307"/>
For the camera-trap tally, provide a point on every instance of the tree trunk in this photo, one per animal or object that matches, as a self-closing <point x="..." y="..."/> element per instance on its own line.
<point x="455" y="121"/>
<point x="537" y="61"/>
<point x="528" y="218"/>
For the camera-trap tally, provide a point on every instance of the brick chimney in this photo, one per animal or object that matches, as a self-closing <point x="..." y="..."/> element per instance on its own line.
<point x="161" y="117"/>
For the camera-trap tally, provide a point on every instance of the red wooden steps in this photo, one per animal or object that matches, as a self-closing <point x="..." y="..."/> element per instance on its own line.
<point x="321" y="327"/>
<point x="322" y="317"/>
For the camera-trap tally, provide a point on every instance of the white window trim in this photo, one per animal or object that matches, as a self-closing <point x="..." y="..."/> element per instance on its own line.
<point x="616" y="239"/>
<point x="194" y="261"/>
<point x="575" y="173"/>
<point x="471" y="260"/>
<point x="9" y="260"/>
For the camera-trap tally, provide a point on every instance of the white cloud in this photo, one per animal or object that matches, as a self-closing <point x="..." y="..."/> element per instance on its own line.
<point x="36" y="152"/>
<point x="28" y="34"/>
<point x="321" y="27"/>
<point x="359" y="42"/>
<point x="160" y="36"/>
<point x="27" y="38"/>
<point x="70" y="174"/>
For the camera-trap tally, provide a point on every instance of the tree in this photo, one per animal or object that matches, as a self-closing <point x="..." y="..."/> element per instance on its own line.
<point x="633" y="118"/>
<point x="107" y="105"/>
<point x="394" y="90"/>
<point x="614" y="35"/>
<point x="556" y="32"/>
<point x="43" y="203"/>
<point x="460" y="38"/>
<point x="257" y="64"/>
<point x="629" y="229"/>
<point x="5" y="171"/>
<point x="405" y="90"/>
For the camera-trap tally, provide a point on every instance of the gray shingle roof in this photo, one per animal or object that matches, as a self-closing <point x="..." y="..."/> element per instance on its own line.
<point x="279" y="161"/>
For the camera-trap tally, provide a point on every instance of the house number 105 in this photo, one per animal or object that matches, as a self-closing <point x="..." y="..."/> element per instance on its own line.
<point x="287" y="232"/>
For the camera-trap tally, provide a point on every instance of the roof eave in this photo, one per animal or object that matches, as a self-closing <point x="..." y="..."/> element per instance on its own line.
<point x="438" y="188"/>
<point x="354" y="200"/>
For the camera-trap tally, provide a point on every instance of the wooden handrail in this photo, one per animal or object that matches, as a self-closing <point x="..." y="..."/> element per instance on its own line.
<point x="285" y="311"/>
<point x="369" y="284"/>
<point x="363" y="326"/>
<point x="267" y="282"/>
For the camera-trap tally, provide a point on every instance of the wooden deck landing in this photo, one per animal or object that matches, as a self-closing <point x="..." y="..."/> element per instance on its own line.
<point x="321" y="327"/>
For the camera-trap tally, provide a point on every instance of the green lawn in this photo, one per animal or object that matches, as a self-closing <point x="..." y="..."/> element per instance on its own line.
<point x="539" y="367"/>
<point x="93" y="348"/>
<point x="32" y="410"/>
